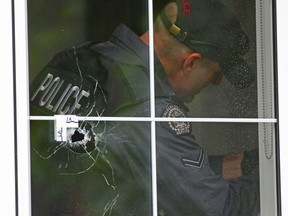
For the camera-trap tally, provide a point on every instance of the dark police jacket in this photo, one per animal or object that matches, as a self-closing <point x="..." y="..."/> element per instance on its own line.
<point x="110" y="174"/>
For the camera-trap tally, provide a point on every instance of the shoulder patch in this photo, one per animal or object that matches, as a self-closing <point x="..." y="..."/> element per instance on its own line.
<point x="179" y="128"/>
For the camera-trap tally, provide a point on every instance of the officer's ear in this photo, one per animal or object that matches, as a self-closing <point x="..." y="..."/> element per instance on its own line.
<point x="191" y="61"/>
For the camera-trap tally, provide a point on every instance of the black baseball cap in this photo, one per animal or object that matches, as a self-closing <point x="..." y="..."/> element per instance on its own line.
<point x="208" y="27"/>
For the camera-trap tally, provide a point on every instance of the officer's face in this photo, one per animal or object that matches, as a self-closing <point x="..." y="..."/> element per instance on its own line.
<point x="201" y="74"/>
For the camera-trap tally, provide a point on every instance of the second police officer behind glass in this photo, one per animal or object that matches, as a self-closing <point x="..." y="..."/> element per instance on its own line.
<point x="196" y="42"/>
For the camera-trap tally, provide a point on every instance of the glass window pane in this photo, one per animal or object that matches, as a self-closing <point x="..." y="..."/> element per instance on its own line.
<point x="236" y="96"/>
<point x="190" y="180"/>
<point x="214" y="59"/>
<point x="98" y="171"/>
<point x="89" y="167"/>
<point x="92" y="132"/>
<point x="65" y="76"/>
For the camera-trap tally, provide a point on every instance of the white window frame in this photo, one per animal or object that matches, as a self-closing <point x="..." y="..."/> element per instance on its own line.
<point x="7" y="159"/>
<point x="18" y="109"/>
<point x="282" y="64"/>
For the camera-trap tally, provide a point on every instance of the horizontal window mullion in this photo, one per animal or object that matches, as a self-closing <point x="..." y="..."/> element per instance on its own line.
<point x="164" y="119"/>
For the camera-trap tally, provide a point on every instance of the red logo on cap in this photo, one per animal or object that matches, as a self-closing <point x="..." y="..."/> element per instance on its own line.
<point x="186" y="5"/>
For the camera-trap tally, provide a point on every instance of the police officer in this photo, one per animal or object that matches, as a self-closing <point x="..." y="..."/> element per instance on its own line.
<point x="196" y="43"/>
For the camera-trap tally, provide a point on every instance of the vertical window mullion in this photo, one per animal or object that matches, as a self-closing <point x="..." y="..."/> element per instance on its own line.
<point x="152" y="108"/>
<point x="22" y="107"/>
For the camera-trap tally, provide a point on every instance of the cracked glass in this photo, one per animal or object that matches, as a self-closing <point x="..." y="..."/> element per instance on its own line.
<point x="86" y="177"/>
<point x="73" y="169"/>
<point x="100" y="145"/>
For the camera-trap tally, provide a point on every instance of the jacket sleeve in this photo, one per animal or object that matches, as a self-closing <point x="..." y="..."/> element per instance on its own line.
<point x="186" y="182"/>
